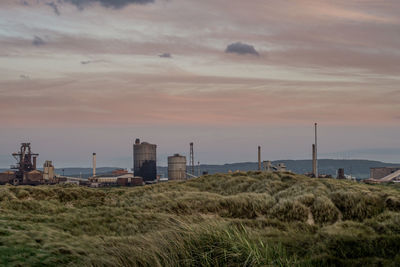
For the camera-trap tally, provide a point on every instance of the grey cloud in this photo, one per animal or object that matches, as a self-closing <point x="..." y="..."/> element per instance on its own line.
<point x="107" y="3"/>
<point x="165" y="55"/>
<point x="241" y="49"/>
<point x="54" y="7"/>
<point x="24" y="77"/>
<point x="37" y="41"/>
<point x="85" y="62"/>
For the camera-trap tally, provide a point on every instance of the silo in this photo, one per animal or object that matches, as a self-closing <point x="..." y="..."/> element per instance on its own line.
<point x="144" y="160"/>
<point x="176" y="167"/>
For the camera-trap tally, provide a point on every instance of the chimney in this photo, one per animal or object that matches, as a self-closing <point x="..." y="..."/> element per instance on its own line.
<point x="192" y="159"/>
<point x="94" y="164"/>
<point x="316" y="152"/>
<point x="259" y="158"/>
<point x="314" y="161"/>
<point x="34" y="163"/>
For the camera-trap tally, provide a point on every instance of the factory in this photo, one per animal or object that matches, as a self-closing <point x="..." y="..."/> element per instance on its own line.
<point x="25" y="171"/>
<point x="384" y="175"/>
<point x="145" y="161"/>
<point x="144" y="169"/>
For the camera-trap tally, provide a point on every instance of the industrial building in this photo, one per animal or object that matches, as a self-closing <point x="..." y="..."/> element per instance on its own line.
<point x="26" y="167"/>
<point x="384" y="175"/>
<point x="145" y="161"/>
<point x="381" y="172"/>
<point x="269" y="167"/>
<point x="340" y="174"/>
<point x="48" y="171"/>
<point x="25" y="171"/>
<point x="7" y="177"/>
<point x="123" y="180"/>
<point x="177" y="167"/>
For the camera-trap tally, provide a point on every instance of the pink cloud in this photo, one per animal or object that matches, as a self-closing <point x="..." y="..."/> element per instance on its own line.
<point x="92" y="103"/>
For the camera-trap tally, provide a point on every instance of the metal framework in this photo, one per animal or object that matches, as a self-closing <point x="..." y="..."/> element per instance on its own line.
<point x="26" y="161"/>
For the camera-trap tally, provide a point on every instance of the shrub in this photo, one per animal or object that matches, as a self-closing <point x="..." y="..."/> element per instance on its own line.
<point x="21" y="194"/>
<point x="357" y="205"/>
<point x="247" y="205"/>
<point x="324" y="211"/>
<point x="6" y="194"/>
<point x="290" y="211"/>
<point x="306" y="199"/>
<point x="393" y="203"/>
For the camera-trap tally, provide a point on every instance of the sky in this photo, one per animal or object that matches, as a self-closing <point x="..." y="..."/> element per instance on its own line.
<point x="83" y="76"/>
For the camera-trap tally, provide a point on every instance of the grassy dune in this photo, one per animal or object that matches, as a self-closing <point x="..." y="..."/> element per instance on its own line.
<point x="240" y="219"/>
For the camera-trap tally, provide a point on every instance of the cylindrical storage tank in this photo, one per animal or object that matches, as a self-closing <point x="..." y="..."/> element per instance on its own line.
<point x="145" y="160"/>
<point x="176" y="167"/>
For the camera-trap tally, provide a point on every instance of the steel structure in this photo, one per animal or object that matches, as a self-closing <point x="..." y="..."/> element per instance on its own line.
<point x="26" y="162"/>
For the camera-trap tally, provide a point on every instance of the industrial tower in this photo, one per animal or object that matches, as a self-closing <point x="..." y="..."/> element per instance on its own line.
<point x="26" y="161"/>
<point x="315" y="154"/>
<point x="191" y="159"/>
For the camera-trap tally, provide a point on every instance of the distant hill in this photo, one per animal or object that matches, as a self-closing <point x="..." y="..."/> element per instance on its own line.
<point x="357" y="168"/>
<point x="83" y="172"/>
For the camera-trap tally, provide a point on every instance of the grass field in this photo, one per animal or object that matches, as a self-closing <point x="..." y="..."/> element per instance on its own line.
<point x="240" y="219"/>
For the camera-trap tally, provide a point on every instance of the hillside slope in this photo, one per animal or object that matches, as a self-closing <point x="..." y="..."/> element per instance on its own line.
<point x="241" y="219"/>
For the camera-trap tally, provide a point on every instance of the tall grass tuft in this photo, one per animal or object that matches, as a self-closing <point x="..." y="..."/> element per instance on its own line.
<point x="324" y="211"/>
<point x="210" y="245"/>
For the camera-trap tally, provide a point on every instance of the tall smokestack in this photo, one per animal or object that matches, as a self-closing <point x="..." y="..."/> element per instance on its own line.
<point x="191" y="159"/>
<point x="34" y="163"/>
<point x="94" y="164"/>
<point x="259" y="158"/>
<point x="314" y="161"/>
<point x="316" y="152"/>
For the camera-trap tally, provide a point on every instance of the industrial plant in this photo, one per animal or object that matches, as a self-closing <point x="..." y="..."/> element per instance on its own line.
<point x="25" y="172"/>
<point x="144" y="169"/>
<point x="145" y="160"/>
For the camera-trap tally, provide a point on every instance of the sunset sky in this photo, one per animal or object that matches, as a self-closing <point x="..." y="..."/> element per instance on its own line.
<point x="83" y="76"/>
